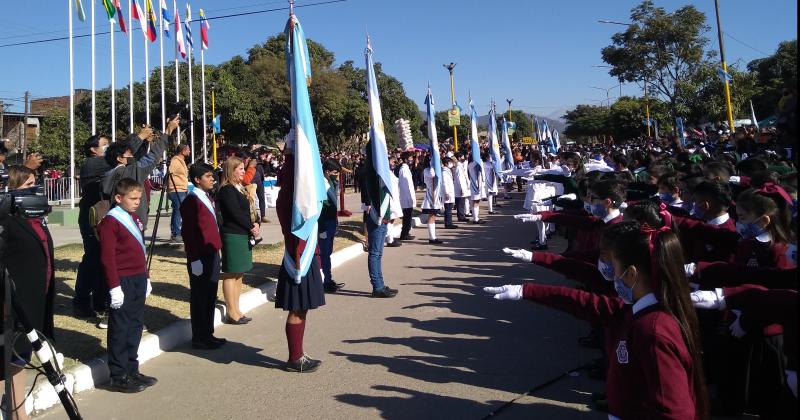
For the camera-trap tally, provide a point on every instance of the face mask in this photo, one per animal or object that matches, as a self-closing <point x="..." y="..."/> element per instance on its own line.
<point x="666" y="197"/>
<point x="791" y="254"/>
<point x="696" y="211"/>
<point x="598" y="210"/>
<point x="587" y="207"/>
<point x="103" y="150"/>
<point x="749" y="230"/>
<point x="624" y="292"/>
<point x="605" y="269"/>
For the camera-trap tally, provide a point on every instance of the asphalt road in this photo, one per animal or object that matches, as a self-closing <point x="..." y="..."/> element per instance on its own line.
<point x="440" y="349"/>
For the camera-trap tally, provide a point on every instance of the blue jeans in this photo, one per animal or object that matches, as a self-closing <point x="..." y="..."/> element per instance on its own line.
<point x="326" y="246"/>
<point x="376" y="234"/>
<point x="176" y="198"/>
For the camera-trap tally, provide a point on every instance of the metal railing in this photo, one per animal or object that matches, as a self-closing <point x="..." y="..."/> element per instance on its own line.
<point x="57" y="190"/>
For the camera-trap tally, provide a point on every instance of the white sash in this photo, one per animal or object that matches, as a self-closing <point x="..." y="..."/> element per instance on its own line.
<point x="205" y="200"/>
<point x="126" y="220"/>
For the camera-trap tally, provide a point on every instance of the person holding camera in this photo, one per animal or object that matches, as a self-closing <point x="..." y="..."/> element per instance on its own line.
<point x="177" y="186"/>
<point x="237" y="228"/>
<point x="27" y="254"/>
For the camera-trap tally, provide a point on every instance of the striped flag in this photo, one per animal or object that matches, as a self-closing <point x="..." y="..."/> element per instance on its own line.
<point x="473" y="135"/>
<point x="680" y="129"/>
<point x="188" y="27"/>
<point x="204" y="27"/>
<point x="81" y="13"/>
<point x="165" y="18"/>
<point x="436" y="160"/>
<point x="216" y="124"/>
<point x="380" y="187"/>
<point x="753" y="120"/>
<point x="151" y="20"/>
<point x="179" y="34"/>
<point x="309" y="185"/>
<point x="110" y="9"/>
<point x="139" y="15"/>
<point x="509" y="161"/>
<point x="724" y="75"/>
<point x="121" y="18"/>
<point x="556" y="141"/>
<point x="494" y="145"/>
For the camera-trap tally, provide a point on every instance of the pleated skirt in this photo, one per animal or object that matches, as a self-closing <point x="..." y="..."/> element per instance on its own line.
<point x="309" y="294"/>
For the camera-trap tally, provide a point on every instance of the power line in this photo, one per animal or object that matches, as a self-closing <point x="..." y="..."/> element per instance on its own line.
<point x="64" y="38"/>
<point x="746" y="45"/>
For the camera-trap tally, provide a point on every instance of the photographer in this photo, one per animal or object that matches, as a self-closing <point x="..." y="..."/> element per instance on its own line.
<point x="89" y="283"/>
<point x="120" y="156"/>
<point x="28" y="257"/>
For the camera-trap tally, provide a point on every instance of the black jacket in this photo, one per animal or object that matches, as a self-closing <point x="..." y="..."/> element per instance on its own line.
<point x="92" y="172"/>
<point x="235" y="211"/>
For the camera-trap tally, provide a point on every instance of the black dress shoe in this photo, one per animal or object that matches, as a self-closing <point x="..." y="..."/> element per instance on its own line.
<point x="231" y="321"/>
<point x="394" y="244"/>
<point x="83" y="311"/>
<point x="218" y="339"/>
<point x="207" y="345"/>
<point x="246" y="319"/>
<point x="332" y="287"/>
<point x="146" y="380"/>
<point x="451" y="227"/>
<point x="304" y="364"/>
<point x="479" y="222"/>
<point x="407" y="237"/>
<point x="436" y="241"/>
<point x="126" y="385"/>
<point x="386" y="292"/>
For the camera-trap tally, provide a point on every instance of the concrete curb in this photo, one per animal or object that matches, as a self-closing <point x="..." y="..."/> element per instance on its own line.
<point x="85" y="376"/>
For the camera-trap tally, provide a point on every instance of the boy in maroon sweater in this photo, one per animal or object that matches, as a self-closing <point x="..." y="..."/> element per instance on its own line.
<point x="122" y="255"/>
<point x="202" y="243"/>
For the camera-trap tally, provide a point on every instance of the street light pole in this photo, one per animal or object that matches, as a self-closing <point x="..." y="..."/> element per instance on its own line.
<point x="450" y="68"/>
<point x="724" y="68"/>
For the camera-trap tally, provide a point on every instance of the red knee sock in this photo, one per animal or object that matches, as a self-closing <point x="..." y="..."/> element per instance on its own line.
<point x="294" y="337"/>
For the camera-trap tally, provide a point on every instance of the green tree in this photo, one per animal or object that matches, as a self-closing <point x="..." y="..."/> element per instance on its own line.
<point x="54" y="139"/>
<point x="705" y="94"/>
<point x="587" y="121"/>
<point x="773" y="74"/>
<point x="626" y="117"/>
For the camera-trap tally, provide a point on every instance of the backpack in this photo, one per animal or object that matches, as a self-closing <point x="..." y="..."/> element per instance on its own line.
<point x="100" y="209"/>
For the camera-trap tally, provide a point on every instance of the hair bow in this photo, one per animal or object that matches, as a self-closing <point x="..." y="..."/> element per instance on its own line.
<point x="776" y="192"/>
<point x="653" y="234"/>
<point x="666" y="216"/>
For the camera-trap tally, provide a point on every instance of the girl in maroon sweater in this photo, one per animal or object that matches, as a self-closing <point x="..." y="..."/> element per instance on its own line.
<point x="655" y="370"/>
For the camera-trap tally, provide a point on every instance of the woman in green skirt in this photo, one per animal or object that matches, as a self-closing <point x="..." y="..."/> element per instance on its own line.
<point x="236" y="229"/>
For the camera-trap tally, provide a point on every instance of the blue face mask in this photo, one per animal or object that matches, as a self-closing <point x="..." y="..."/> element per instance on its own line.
<point x="598" y="210"/>
<point x="696" y="211"/>
<point x="666" y="197"/>
<point x="605" y="269"/>
<point x="625" y="293"/>
<point x="749" y="230"/>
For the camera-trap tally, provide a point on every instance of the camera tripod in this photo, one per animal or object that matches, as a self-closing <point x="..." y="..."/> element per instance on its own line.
<point x="164" y="186"/>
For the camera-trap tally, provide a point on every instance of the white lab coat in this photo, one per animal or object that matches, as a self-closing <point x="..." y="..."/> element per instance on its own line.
<point x="461" y="180"/>
<point x="395" y="208"/>
<point x="491" y="177"/>
<point x="433" y="196"/>
<point x="448" y="186"/>
<point x="408" y="199"/>
<point x="477" y="182"/>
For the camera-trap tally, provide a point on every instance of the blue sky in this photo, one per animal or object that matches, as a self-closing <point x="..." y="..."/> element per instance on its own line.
<point x="538" y="53"/>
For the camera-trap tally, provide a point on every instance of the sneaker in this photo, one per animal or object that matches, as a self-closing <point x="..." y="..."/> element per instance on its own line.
<point x="126" y="385"/>
<point x="83" y="311"/>
<point x="146" y="380"/>
<point x="304" y="364"/>
<point x="436" y="241"/>
<point x="394" y="244"/>
<point x="386" y="292"/>
<point x="176" y="239"/>
<point x="102" y="323"/>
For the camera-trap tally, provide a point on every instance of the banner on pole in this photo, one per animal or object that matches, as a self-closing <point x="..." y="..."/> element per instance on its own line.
<point x="453" y="117"/>
<point x="511" y="126"/>
<point x="528" y="140"/>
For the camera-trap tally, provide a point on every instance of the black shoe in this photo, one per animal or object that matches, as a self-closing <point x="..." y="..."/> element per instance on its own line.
<point x="394" y="244"/>
<point x="436" y="241"/>
<point x="540" y="247"/>
<point x="146" y="380"/>
<point x="102" y="320"/>
<point x="207" y="344"/>
<point x="386" y="292"/>
<point x="126" y="385"/>
<point x="304" y="364"/>
<point x="246" y="319"/>
<point x="492" y="212"/>
<point x="479" y="222"/>
<point x="332" y="287"/>
<point x="451" y="227"/>
<point x="231" y="321"/>
<point x="83" y="311"/>
<point x="218" y="340"/>
<point x="407" y="237"/>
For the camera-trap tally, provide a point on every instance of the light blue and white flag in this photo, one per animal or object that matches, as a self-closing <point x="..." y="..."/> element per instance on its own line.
<point x="380" y="185"/>
<point x="494" y="144"/>
<point x="724" y="75"/>
<point x="509" y="160"/>
<point x="556" y="140"/>
<point x="165" y="17"/>
<point x="436" y="161"/>
<point x="680" y="130"/>
<point x="473" y="135"/>
<point x="309" y="185"/>
<point x="188" y="27"/>
<point x="753" y="120"/>
<point x="216" y="124"/>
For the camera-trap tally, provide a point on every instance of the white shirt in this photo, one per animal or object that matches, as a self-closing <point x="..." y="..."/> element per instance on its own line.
<point x="644" y="302"/>
<point x="394" y="205"/>
<point x="433" y="196"/>
<point x="461" y="180"/>
<point x="719" y="220"/>
<point x="448" y="186"/>
<point x="612" y="214"/>
<point x="408" y="199"/>
<point x="490" y="176"/>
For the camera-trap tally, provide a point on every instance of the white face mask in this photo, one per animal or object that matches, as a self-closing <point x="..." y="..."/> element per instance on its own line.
<point x="103" y="150"/>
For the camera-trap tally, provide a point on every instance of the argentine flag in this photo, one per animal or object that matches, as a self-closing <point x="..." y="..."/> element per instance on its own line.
<point x="436" y="161"/>
<point x="509" y="161"/>
<point x="309" y="186"/>
<point x="556" y="141"/>
<point x="473" y="135"/>
<point x="380" y="181"/>
<point x="494" y="145"/>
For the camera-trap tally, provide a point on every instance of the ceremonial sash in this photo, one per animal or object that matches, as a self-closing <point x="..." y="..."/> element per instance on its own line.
<point x="205" y="200"/>
<point x="126" y="220"/>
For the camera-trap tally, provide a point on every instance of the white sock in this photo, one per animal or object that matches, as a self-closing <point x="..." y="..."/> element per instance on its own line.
<point x="431" y="230"/>
<point x="490" y="200"/>
<point x="389" y="237"/>
<point x="475" y="209"/>
<point x="542" y="227"/>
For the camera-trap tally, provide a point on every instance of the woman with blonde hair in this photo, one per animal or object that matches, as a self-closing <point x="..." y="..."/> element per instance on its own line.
<point x="236" y="229"/>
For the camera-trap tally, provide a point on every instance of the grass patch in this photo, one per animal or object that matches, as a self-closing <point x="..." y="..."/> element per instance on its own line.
<point x="80" y="340"/>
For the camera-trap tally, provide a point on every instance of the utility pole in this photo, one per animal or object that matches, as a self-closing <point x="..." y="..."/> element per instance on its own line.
<point x="450" y="68"/>
<point x="25" y="127"/>
<point x="724" y="68"/>
<point x="2" y="108"/>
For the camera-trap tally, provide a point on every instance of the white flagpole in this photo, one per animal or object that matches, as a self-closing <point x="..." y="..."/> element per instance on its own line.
<point x="113" y="93"/>
<point x="177" y="65"/>
<point x="146" y="81"/>
<point x="130" y="61"/>
<point x="94" y="114"/>
<point x="203" y="91"/>
<point x="161" y="54"/>
<point x="191" y="104"/>
<point x="72" y="107"/>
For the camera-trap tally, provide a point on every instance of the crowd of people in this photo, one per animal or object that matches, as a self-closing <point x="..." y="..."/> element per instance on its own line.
<point x="685" y="250"/>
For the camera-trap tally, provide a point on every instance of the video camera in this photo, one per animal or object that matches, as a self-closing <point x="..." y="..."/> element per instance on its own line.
<point x="182" y="112"/>
<point x="30" y="203"/>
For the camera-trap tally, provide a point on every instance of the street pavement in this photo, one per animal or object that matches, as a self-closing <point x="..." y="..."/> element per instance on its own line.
<point x="441" y="349"/>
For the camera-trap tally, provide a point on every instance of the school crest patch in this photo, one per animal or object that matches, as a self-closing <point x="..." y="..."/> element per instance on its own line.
<point x="622" y="352"/>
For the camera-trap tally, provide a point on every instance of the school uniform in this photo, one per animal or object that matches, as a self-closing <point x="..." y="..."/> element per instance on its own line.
<point x="589" y="227"/>
<point x="477" y="181"/>
<point x="202" y="242"/>
<point x="408" y="198"/>
<point x="449" y="195"/>
<point x="462" y="191"/>
<point x="576" y="269"/>
<point x="650" y="372"/>
<point x="490" y="176"/>
<point x="328" y="224"/>
<point x="714" y="240"/>
<point x="122" y="256"/>
<point x="432" y="200"/>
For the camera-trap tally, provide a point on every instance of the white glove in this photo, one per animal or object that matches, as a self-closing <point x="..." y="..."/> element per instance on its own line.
<point x="571" y="196"/>
<point x="690" y="269"/>
<point x="736" y="326"/>
<point x="117" y="297"/>
<point x="528" y="217"/>
<point x="149" y="289"/>
<point x="708" y="299"/>
<point x="507" y="292"/>
<point x="196" y="267"/>
<point x="735" y="180"/>
<point x="322" y="274"/>
<point x="323" y="235"/>
<point x="519" y="254"/>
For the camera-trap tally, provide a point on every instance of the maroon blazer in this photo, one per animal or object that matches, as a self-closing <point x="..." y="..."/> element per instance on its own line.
<point x="120" y="253"/>
<point x="199" y="230"/>
<point x="706" y="242"/>
<point x="590" y="228"/>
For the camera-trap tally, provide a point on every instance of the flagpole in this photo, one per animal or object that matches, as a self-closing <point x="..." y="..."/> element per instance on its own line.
<point x="213" y="131"/>
<point x="113" y="93"/>
<point x="146" y="82"/>
<point x="191" y="105"/>
<point x="130" y="62"/>
<point x="724" y="68"/>
<point x="177" y="65"/>
<point x="203" y="90"/>
<point x="72" y="107"/>
<point x="161" y="55"/>
<point x="94" y="112"/>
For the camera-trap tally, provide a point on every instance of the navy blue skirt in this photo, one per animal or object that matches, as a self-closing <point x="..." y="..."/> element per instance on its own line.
<point x="309" y="294"/>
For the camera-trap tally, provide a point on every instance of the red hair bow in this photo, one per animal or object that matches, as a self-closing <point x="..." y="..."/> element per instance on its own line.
<point x="666" y="216"/>
<point x="652" y="234"/>
<point x="776" y="192"/>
